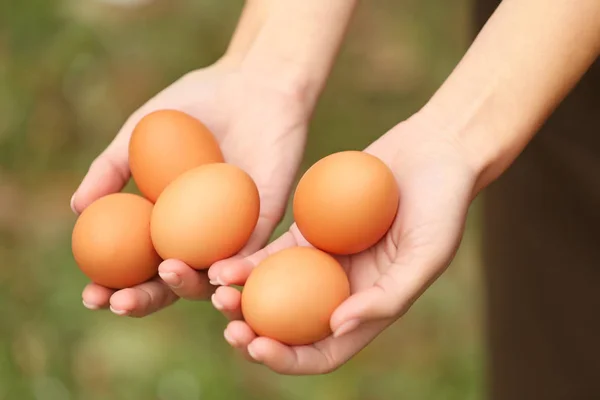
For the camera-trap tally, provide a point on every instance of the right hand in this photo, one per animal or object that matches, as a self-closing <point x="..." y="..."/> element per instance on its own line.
<point x="436" y="178"/>
<point x="260" y="127"/>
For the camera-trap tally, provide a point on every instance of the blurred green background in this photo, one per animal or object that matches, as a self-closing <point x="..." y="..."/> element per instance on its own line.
<point x="70" y="74"/>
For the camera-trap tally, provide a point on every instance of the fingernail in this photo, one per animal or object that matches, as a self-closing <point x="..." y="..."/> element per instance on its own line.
<point x="89" y="306"/>
<point x="118" y="312"/>
<point x="72" y="204"/>
<point x="216" y="303"/>
<point x="252" y="353"/>
<point x="171" y="279"/>
<point x="217" y="282"/>
<point x="229" y="339"/>
<point x="346" y="327"/>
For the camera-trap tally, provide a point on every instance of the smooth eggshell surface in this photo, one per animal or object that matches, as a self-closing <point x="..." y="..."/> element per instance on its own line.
<point x="346" y="202"/>
<point x="291" y="295"/>
<point x="111" y="241"/>
<point x="166" y="143"/>
<point x="205" y="215"/>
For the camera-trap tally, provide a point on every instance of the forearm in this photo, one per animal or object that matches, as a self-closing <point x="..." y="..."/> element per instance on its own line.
<point x="521" y="66"/>
<point x="250" y="22"/>
<point x="297" y="44"/>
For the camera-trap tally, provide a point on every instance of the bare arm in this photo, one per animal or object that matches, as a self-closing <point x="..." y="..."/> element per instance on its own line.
<point x="249" y="24"/>
<point x="524" y="62"/>
<point x="257" y="100"/>
<point x="298" y="43"/>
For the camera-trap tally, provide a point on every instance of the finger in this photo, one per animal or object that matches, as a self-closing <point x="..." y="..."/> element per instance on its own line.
<point x="239" y="335"/>
<point x="228" y="300"/>
<point x="109" y="172"/>
<point x="397" y="289"/>
<point x="235" y="271"/>
<point x="261" y="234"/>
<point x="143" y="299"/>
<point x="378" y="302"/>
<point x="95" y="297"/>
<point x="431" y="227"/>
<point x="185" y="281"/>
<point x="263" y="230"/>
<point x="321" y="358"/>
<point x="286" y="360"/>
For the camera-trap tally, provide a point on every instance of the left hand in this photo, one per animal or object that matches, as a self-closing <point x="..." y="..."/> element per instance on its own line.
<point x="436" y="183"/>
<point x="260" y="127"/>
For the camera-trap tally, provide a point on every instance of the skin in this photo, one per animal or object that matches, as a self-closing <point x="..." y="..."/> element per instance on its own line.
<point x="265" y="119"/>
<point x="251" y="98"/>
<point x="523" y="63"/>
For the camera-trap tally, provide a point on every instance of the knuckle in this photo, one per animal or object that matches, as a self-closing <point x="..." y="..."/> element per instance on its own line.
<point x="330" y="362"/>
<point x="194" y="291"/>
<point x="98" y="163"/>
<point x="395" y="303"/>
<point x="329" y="369"/>
<point x="388" y="307"/>
<point x="106" y="163"/>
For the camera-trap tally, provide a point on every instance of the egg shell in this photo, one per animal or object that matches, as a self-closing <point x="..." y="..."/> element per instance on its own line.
<point x="111" y="241"/>
<point x="206" y="215"/>
<point x="346" y="202"/>
<point x="291" y="295"/>
<point x="166" y="143"/>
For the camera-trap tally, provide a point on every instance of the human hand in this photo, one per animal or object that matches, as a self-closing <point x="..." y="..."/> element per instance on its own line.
<point x="257" y="101"/>
<point x="436" y="183"/>
<point x="260" y="127"/>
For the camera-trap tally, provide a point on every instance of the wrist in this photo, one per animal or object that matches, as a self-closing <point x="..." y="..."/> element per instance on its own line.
<point x="489" y="131"/>
<point x="297" y="45"/>
<point x="525" y="60"/>
<point x="287" y="78"/>
<point x="250" y="22"/>
<point x="479" y="143"/>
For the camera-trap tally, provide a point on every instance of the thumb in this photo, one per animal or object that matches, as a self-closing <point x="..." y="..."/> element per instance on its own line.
<point x="404" y="280"/>
<point x="107" y="174"/>
<point x="426" y="233"/>
<point x="236" y="270"/>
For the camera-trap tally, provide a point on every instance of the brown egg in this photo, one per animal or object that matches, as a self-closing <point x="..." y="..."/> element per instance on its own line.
<point x="291" y="295"/>
<point x="205" y="215"/>
<point x="111" y="241"/>
<point x="346" y="202"/>
<point x="165" y="144"/>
